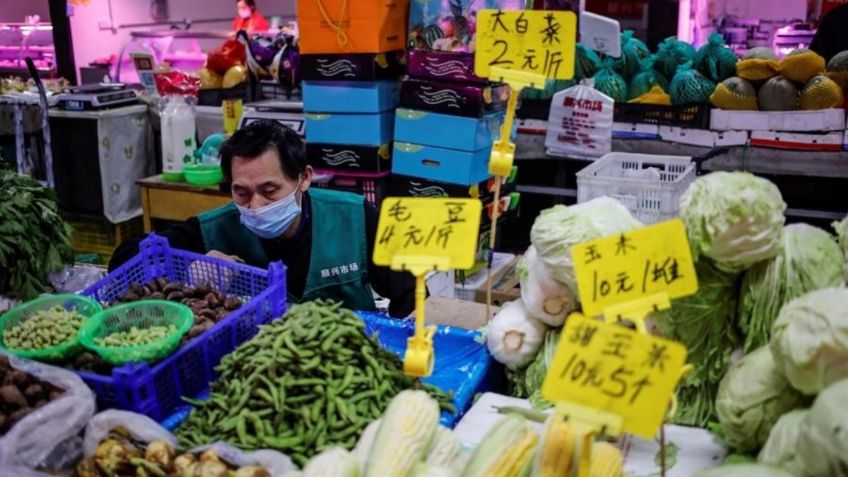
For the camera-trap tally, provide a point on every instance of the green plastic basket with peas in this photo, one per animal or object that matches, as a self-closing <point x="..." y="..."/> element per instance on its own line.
<point x="47" y="328"/>
<point x="133" y="332"/>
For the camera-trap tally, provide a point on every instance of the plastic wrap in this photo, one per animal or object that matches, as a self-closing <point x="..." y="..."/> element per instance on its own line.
<point x="48" y="437"/>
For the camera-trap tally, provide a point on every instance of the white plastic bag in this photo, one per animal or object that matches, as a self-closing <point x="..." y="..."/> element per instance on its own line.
<point x="580" y="123"/>
<point x="49" y="437"/>
<point x="75" y="278"/>
<point x="17" y="471"/>
<point x="146" y="430"/>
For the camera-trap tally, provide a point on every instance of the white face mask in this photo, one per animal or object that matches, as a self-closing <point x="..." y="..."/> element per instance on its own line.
<point x="272" y="220"/>
<point x="244" y="13"/>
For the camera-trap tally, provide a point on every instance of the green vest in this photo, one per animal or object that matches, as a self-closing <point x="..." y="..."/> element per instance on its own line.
<point x="338" y="266"/>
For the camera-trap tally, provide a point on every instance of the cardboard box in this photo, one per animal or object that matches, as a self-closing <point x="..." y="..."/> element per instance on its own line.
<point x="798" y="141"/>
<point x="350" y="129"/>
<point x="446" y="131"/>
<point x="405" y="186"/>
<point x="453" y="166"/>
<point x="457" y="99"/>
<point x="635" y="131"/>
<point x="797" y="121"/>
<point x="352" y="67"/>
<point x="443" y="66"/>
<point x="474" y="279"/>
<point x="350" y="158"/>
<point x="367" y="26"/>
<point x="702" y="137"/>
<point x="368" y="97"/>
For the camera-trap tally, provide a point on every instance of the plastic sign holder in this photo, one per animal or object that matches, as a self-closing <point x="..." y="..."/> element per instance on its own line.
<point x="607" y="378"/>
<point x="521" y="48"/>
<point x="420" y="235"/>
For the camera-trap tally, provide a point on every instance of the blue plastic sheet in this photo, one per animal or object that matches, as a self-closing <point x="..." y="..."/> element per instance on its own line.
<point x="462" y="362"/>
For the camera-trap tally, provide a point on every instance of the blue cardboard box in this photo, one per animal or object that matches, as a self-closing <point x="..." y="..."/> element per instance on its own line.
<point x="350" y="129"/>
<point x="446" y="131"/>
<point x="350" y="96"/>
<point x="453" y="166"/>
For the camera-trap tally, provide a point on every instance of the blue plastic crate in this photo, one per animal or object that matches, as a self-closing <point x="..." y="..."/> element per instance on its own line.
<point x="157" y="390"/>
<point x="462" y="362"/>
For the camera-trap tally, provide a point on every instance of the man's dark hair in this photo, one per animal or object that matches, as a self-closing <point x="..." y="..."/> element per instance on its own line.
<point x="249" y="3"/>
<point x="259" y="136"/>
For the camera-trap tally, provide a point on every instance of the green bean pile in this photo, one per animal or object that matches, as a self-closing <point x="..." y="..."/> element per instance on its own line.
<point x="135" y="336"/>
<point x="44" y="329"/>
<point x="309" y="381"/>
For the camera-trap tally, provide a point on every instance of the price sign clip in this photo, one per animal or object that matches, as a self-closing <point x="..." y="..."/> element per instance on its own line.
<point x="503" y="150"/>
<point x="420" y="358"/>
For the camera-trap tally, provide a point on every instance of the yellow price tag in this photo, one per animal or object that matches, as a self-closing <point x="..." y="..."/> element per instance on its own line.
<point x="626" y="267"/>
<point x="534" y="41"/>
<point x="418" y="228"/>
<point x="614" y="369"/>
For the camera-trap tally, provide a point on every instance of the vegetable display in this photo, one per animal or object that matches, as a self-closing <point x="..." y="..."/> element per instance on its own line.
<point x="118" y="455"/>
<point x="21" y="394"/>
<point x="307" y="382"/>
<point x="810" y="339"/>
<point x="823" y="440"/>
<point x="781" y="448"/>
<point x="544" y="298"/>
<point x="733" y="218"/>
<point x="809" y="260"/>
<point x="704" y="322"/>
<point x="559" y="228"/>
<point x="44" y="329"/>
<point x="34" y="240"/>
<point x="136" y="336"/>
<point x="513" y="336"/>
<point x="751" y="398"/>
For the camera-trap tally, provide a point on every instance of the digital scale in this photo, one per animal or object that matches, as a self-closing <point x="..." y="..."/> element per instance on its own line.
<point x="287" y="113"/>
<point x="96" y="96"/>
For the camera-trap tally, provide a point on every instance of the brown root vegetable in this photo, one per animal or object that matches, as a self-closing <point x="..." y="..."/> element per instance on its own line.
<point x="195" y="331"/>
<point x="157" y="295"/>
<point x="175" y="295"/>
<point x="209" y="455"/>
<point x="163" y="282"/>
<point x="129" y="297"/>
<point x="172" y="287"/>
<point x="20" y="378"/>
<point x="12" y="398"/>
<point x="112" y="457"/>
<point x="202" y="290"/>
<point x="207" y="313"/>
<point x="211" y="468"/>
<point x="251" y="471"/>
<point x="87" y="468"/>
<point x="232" y="303"/>
<point x="34" y="393"/>
<point x="183" y="462"/>
<point x="212" y="299"/>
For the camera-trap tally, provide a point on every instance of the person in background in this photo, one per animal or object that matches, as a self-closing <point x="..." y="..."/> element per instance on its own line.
<point x="248" y="18"/>
<point x="325" y="238"/>
<point x="832" y="35"/>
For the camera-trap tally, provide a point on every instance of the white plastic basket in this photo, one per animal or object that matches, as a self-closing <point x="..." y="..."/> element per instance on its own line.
<point x="649" y="186"/>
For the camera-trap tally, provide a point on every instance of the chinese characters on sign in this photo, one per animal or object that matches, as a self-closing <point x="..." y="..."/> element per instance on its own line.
<point x="421" y="227"/>
<point x="607" y="367"/>
<point x="541" y="42"/>
<point x="634" y="264"/>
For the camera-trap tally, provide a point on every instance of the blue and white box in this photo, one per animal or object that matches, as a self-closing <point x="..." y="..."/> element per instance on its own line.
<point x="446" y="131"/>
<point x="350" y="96"/>
<point x="453" y="166"/>
<point x="350" y="129"/>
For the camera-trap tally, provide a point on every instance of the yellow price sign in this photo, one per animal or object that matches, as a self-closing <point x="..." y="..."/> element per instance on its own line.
<point x="419" y="228"/>
<point x="614" y="369"/>
<point x="632" y="265"/>
<point x="534" y="41"/>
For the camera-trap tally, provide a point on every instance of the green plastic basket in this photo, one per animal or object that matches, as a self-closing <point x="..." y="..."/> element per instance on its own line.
<point x="143" y="314"/>
<point x="82" y="305"/>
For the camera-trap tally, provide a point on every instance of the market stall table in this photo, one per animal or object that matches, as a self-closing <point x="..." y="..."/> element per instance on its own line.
<point x="176" y="201"/>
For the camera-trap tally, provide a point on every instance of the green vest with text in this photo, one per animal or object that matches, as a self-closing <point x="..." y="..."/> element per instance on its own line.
<point x="338" y="266"/>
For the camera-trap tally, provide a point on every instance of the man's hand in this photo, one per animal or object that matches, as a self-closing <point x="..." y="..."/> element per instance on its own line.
<point x="224" y="256"/>
<point x="202" y="272"/>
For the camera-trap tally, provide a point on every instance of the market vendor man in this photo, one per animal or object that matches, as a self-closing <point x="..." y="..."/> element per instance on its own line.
<point x="325" y="238"/>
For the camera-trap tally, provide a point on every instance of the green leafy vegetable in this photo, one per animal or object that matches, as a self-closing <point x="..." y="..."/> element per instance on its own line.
<point x="809" y="260"/>
<point x="751" y="398"/>
<point x="34" y="240"/>
<point x="781" y="449"/>
<point x="733" y="218"/>
<point x="841" y="229"/>
<point x="810" y="339"/>
<point x="823" y="439"/>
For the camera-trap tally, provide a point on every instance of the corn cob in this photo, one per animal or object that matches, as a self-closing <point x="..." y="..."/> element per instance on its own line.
<point x="607" y="461"/>
<point x="334" y="461"/>
<point x="446" y="449"/>
<point x="556" y="452"/>
<point x="365" y="442"/>
<point x="405" y="435"/>
<point x="506" y="450"/>
<point x="429" y="470"/>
